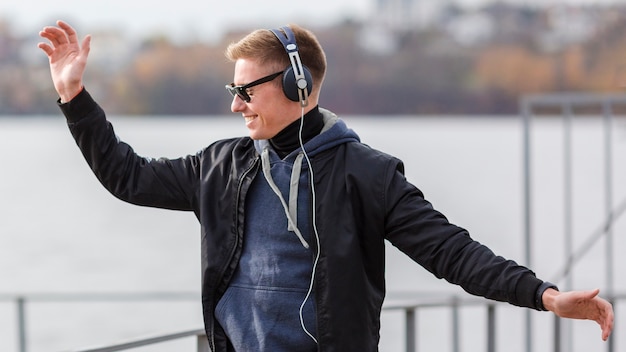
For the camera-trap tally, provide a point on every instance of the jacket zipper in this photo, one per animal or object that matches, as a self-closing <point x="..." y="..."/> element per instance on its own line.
<point x="234" y="248"/>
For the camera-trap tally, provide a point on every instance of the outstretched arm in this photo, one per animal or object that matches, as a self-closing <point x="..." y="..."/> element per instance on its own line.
<point x="581" y="305"/>
<point x="67" y="58"/>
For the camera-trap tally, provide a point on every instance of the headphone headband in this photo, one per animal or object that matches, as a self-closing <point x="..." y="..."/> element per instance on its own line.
<point x="301" y="75"/>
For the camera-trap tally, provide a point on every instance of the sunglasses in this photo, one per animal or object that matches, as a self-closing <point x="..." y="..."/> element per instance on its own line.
<point x="242" y="91"/>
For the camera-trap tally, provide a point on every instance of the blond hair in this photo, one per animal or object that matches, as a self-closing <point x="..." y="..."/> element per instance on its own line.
<point x="263" y="46"/>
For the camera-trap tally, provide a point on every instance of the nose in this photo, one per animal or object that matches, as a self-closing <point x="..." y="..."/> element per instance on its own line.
<point x="237" y="105"/>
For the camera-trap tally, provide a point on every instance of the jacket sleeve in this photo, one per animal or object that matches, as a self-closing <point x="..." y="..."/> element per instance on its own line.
<point x="448" y="251"/>
<point x="163" y="183"/>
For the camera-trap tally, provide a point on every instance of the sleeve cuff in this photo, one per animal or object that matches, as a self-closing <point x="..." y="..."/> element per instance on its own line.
<point x="540" y="290"/>
<point x="79" y="107"/>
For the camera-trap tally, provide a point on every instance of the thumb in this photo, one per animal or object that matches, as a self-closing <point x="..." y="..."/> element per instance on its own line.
<point x="592" y="293"/>
<point x="85" y="46"/>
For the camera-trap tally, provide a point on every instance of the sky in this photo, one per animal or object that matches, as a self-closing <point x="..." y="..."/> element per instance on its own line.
<point x="178" y="18"/>
<point x="196" y="19"/>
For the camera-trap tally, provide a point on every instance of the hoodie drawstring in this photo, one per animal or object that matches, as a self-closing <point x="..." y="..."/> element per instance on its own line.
<point x="291" y="210"/>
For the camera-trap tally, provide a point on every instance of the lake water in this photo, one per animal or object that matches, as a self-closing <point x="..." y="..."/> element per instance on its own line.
<point x="61" y="232"/>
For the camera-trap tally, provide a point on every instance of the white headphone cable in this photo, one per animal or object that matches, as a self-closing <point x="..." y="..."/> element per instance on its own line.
<point x="317" y="238"/>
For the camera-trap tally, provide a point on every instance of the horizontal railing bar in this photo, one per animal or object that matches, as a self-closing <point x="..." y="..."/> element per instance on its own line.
<point x="574" y="99"/>
<point x="390" y="303"/>
<point x="407" y="305"/>
<point x="94" y="296"/>
<point x="143" y="341"/>
<point x="439" y="302"/>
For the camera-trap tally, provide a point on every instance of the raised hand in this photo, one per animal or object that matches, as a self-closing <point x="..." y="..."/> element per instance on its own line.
<point x="67" y="57"/>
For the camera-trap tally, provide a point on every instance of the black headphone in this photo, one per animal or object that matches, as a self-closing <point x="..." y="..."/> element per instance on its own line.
<point x="297" y="80"/>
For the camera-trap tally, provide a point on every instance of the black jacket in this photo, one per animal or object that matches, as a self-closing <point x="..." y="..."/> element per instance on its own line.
<point x="363" y="198"/>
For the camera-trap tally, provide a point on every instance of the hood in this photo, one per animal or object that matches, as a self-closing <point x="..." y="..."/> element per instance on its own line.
<point x="334" y="132"/>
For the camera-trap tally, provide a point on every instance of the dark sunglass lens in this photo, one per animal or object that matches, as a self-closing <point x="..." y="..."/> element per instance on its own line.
<point x="237" y="91"/>
<point x="241" y="92"/>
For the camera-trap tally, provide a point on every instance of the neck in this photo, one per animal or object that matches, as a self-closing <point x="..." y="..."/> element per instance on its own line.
<point x="288" y="140"/>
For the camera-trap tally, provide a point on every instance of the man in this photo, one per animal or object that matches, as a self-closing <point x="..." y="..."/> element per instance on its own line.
<point x="294" y="218"/>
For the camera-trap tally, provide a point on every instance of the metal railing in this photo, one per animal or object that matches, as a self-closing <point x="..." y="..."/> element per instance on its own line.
<point x="409" y="307"/>
<point x="202" y="342"/>
<point x="454" y="303"/>
<point x="567" y="107"/>
<point x="21" y="301"/>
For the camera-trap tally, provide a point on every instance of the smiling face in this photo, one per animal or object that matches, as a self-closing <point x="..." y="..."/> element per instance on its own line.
<point x="269" y="111"/>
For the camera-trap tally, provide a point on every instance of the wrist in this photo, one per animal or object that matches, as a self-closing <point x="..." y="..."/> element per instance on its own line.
<point x="544" y="299"/>
<point x="68" y="94"/>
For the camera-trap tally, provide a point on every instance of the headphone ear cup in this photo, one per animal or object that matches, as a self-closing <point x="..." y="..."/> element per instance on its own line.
<point x="290" y="86"/>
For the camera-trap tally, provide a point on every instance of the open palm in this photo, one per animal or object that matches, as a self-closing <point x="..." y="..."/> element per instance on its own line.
<point x="67" y="58"/>
<point x="585" y="305"/>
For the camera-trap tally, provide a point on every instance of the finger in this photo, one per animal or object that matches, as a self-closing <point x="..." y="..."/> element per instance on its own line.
<point x="606" y="329"/>
<point x="589" y="295"/>
<point x="86" y="45"/>
<point x="69" y="31"/>
<point x="609" y="323"/>
<point x="55" y="35"/>
<point x="63" y="24"/>
<point x="46" y="48"/>
<point x="606" y="319"/>
<point x="47" y="33"/>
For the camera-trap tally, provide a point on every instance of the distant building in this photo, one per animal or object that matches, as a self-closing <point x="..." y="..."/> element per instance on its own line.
<point x="403" y="15"/>
<point x="113" y="49"/>
<point x="394" y="14"/>
<point x="393" y="17"/>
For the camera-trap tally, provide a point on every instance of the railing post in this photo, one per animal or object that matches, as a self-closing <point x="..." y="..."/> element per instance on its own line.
<point x="491" y="328"/>
<point x="21" y="323"/>
<point x="608" y="194"/>
<point x="611" y="342"/>
<point x="455" y="325"/>
<point x="203" y="343"/>
<point x="410" y="329"/>
<point x="557" y="334"/>
<point x="568" y="214"/>
<point x="526" y="107"/>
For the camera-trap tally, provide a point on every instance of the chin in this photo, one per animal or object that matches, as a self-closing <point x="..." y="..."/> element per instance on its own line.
<point x="256" y="136"/>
